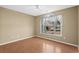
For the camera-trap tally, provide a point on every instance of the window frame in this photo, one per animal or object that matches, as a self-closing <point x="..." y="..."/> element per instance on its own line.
<point x="61" y="26"/>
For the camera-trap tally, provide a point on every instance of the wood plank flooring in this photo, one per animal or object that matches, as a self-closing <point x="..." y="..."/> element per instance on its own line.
<point x="37" y="45"/>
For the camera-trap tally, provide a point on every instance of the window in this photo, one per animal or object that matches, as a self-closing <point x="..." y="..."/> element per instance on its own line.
<point x="51" y="24"/>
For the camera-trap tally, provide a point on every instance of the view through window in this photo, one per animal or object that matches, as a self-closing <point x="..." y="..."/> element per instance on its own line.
<point x="51" y="24"/>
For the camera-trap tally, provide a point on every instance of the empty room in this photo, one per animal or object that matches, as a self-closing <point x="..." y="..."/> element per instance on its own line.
<point x="39" y="28"/>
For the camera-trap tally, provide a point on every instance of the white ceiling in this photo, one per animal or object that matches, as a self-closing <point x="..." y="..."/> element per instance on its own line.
<point x="34" y="11"/>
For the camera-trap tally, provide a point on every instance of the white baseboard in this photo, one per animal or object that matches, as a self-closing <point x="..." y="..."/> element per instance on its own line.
<point x="59" y="41"/>
<point x="40" y="37"/>
<point x="16" y="40"/>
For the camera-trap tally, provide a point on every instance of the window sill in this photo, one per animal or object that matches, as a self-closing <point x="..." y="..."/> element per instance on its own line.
<point x="52" y="34"/>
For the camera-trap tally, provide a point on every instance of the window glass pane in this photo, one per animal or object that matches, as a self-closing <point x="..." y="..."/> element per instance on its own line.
<point x="51" y="24"/>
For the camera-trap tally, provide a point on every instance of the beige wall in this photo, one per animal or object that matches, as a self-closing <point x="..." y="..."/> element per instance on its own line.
<point x="70" y="29"/>
<point x="78" y="25"/>
<point x="15" y="25"/>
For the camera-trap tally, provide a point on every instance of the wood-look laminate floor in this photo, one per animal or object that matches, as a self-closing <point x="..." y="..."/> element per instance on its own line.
<point x="37" y="45"/>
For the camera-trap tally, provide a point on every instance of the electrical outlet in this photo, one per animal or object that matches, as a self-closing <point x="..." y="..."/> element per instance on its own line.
<point x="64" y="37"/>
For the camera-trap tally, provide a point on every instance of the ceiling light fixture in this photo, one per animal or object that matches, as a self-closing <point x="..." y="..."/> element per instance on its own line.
<point x="37" y="6"/>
